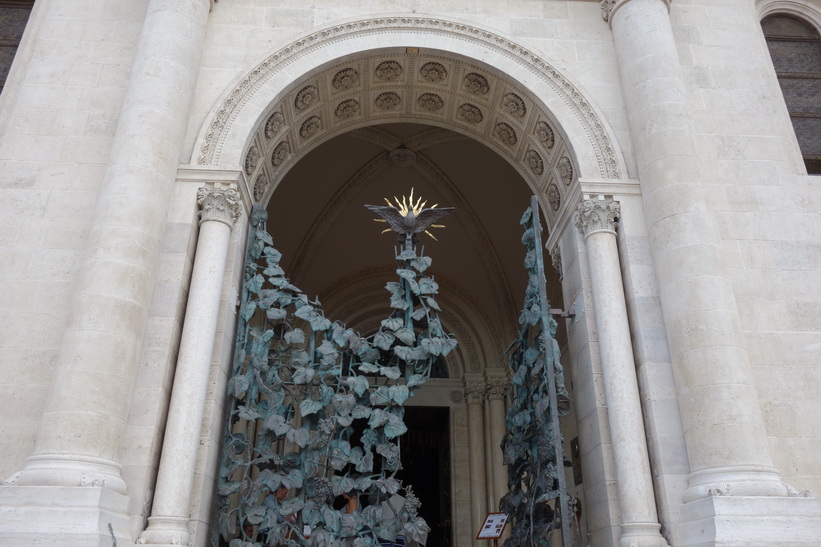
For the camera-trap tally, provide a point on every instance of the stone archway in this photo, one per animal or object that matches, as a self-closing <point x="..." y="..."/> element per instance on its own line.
<point x="439" y="72"/>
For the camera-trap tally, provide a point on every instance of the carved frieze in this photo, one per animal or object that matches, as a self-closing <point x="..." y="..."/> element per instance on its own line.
<point x="535" y="162"/>
<point x="219" y="204"/>
<point x="505" y="133"/>
<point x="545" y="134"/>
<point x="306" y="96"/>
<point x="310" y="127"/>
<point x="470" y="113"/>
<point x="388" y="71"/>
<point x="388" y="101"/>
<point x="275" y="122"/>
<point x="514" y="105"/>
<point x="251" y="159"/>
<point x="347" y="109"/>
<point x="595" y="215"/>
<point x="280" y="152"/>
<point x="476" y="84"/>
<point x="430" y="102"/>
<point x="433" y="72"/>
<point x="345" y="79"/>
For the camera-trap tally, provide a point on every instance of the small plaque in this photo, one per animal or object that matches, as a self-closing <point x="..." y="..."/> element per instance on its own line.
<point x="493" y="526"/>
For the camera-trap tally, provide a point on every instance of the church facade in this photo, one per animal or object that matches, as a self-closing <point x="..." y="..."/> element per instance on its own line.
<point x="674" y="148"/>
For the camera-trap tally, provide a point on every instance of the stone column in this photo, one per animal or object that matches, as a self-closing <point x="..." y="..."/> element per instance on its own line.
<point x="496" y="383"/>
<point x="80" y="433"/>
<point x="724" y="430"/>
<point x="474" y="396"/>
<point x="168" y="524"/>
<point x="639" y="518"/>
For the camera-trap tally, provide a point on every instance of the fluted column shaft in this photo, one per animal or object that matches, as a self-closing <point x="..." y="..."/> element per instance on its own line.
<point x="474" y="396"/>
<point x="496" y="390"/>
<point x="724" y="431"/>
<point x="168" y="524"/>
<point x="640" y="527"/>
<point x="85" y="415"/>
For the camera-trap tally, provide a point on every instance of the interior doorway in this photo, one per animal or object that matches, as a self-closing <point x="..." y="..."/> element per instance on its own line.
<point x="426" y="466"/>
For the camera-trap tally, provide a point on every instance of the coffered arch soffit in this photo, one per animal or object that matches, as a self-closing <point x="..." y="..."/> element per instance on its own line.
<point x="420" y="69"/>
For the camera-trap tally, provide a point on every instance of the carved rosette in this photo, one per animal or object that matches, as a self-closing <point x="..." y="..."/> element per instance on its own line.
<point x="534" y="161"/>
<point x="251" y="160"/>
<point x="433" y="72"/>
<point x="545" y="134"/>
<point x="388" y="71"/>
<point x="219" y="204"/>
<point x="474" y="392"/>
<point x="388" y="101"/>
<point x="469" y="113"/>
<point x="597" y="215"/>
<point x="310" y="127"/>
<point x="260" y="186"/>
<point x="514" y="105"/>
<point x="430" y="102"/>
<point x="347" y="109"/>
<point x="476" y="84"/>
<point x="554" y="198"/>
<point x="565" y="170"/>
<point x="280" y="153"/>
<point x="607" y="8"/>
<point x="345" y="79"/>
<point x="307" y="96"/>
<point x="505" y="133"/>
<point x="276" y="121"/>
<point x="402" y="157"/>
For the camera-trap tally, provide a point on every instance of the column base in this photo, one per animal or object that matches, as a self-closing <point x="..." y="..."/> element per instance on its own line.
<point x="642" y="534"/>
<point x="68" y="470"/>
<point x="165" y="531"/>
<point x="56" y="516"/>
<point x="736" y="521"/>
<point x="745" y="480"/>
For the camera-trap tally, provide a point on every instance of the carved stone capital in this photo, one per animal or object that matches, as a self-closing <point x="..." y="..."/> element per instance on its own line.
<point x="597" y="215"/>
<point x="475" y="391"/>
<point x="219" y="204"/>
<point x="609" y="6"/>
<point x="496" y="388"/>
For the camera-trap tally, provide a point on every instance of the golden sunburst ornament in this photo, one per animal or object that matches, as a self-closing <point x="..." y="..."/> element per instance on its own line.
<point x="409" y="218"/>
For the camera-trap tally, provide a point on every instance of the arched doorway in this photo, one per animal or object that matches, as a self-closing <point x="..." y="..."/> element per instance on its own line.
<point x="373" y="122"/>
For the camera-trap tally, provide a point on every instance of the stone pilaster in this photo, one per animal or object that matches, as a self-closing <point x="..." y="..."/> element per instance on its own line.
<point x="596" y="220"/>
<point x="168" y="524"/>
<point x="474" y="397"/>
<point x="496" y="383"/>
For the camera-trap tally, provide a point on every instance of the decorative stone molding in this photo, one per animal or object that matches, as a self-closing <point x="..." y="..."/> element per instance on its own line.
<point x="609" y="6"/>
<point x="554" y="197"/>
<point x="347" y="109"/>
<point x="597" y="215"/>
<point x="307" y="96"/>
<point x="251" y="160"/>
<point x="402" y="157"/>
<point x="280" y="153"/>
<point x="388" y="101"/>
<point x="556" y="260"/>
<point x="565" y="168"/>
<point x="535" y="162"/>
<point x="219" y="204"/>
<point x="260" y="186"/>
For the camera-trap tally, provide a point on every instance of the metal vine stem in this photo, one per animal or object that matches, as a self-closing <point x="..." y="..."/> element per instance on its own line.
<point x="532" y="445"/>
